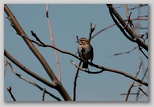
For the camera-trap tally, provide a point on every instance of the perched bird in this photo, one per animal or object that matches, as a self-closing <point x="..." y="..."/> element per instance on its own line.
<point x="85" y="51"/>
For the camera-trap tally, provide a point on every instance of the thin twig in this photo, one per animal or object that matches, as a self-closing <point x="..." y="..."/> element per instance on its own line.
<point x="103" y="30"/>
<point x="37" y="39"/>
<point x="5" y="66"/>
<point x="43" y="95"/>
<point x="129" y="93"/>
<point x="129" y="90"/>
<point x="46" y="45"/>
<point x="87" y="71"/>
<point x="10" y="91"/>
<point x="53" y="44"/>
<point x="137" y="96"/>
<point x="75" y="82"/>
<point x="127" y="11"/>
<point x="127" y="52"/>
<point x="91" y="31"/>
<point x="143" y="52"/>
<point x="142" y="95"/>
<point x="31" y="82"/>
<point x="133" y="19"/>
<point x="143" y="91"/>
<point x="138" y="6"/>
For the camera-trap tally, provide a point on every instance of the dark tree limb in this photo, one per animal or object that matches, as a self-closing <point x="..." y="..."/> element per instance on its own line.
<point x="10" y="91"/>
<point x="12" y="59"/>
<point x="128" y="30"/>
<point x="110" y="70"/>
<point x="31" y="82"/>
<point x="75" y="82"/>
<point x="47" y="68"/>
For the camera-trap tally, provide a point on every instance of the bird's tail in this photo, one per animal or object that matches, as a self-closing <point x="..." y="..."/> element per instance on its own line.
<point x="85" y="65"/>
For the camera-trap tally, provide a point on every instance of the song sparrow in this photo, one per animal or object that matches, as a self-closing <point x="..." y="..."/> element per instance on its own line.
<point x="85" y="51"/>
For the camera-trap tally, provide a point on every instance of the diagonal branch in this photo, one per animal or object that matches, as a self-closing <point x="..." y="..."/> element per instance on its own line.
<point x="10" y="91"/>
<point x="31" y="73"/>
<point x="138" y="18"/>
<point x="129" y="90"/>
<point x="31" y="82"/>
<point x="127" y="52"/>
<point x="47" y="68"/>
<point x="120" y="27"/>
<point x="20" y="31"/>
<point x="129" y="31"/>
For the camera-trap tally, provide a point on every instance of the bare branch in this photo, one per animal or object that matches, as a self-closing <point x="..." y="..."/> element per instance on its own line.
<point x="110" y="70"/>
<point x="10" y="91"/>
<point x="20" y="31"/>
<point x="47" y="68"/>
<point x="91" y="31"/>
<point x="87" y="71"/>
<point x="129" y="93"/>
<point x="92" y="64"/>
<point x="31" y="82"/>
<point x="129" y="90"/>
<point x="5" y="66"/>
<point x="53" y="44"/>
<point x="138" y="6"/>
<point x="127" y="11"/>
<point x="127" y="52"/>
<point x="35" y="36"/>
<point x="143" y="92"/>
<point x="27" y="70"/>
<point x="118" y="24"/>
<point x="143" y="52"/>
<point x="43" y="95"/>
<point x="102" y="30"/>
<point x="137" y="96"/>
<point x="75" y="82"/>
<point x="129" y="31"/>
<point x="133" y="19"/>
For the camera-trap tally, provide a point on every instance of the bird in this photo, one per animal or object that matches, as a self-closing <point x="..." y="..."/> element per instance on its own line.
<point x="85" y="51"/>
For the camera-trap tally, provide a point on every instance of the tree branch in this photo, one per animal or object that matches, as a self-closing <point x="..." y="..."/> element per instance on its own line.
<point x="129" y="90"/>
<point x="31" y="82"/>
<point x="110" y="70"/>
<point x="53" y="44"/>
<point x="75" y="82"/>
<point x="138" y="18"/>
<point x="129" y="31"/>
<point x="91" y="31"/>
<point x="92" y="64"/>
<point x="10" y="91"/>
<point x="26" y="70"/>
<point x="47" y="68"/>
